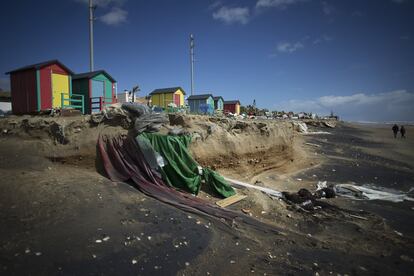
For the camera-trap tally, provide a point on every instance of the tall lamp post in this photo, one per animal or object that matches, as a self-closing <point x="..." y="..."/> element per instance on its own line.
<point x="91" y="19"/>
<point x="192" y="62"/>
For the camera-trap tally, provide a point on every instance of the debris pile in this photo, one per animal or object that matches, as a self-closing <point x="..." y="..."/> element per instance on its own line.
<point x="132" y="115"/>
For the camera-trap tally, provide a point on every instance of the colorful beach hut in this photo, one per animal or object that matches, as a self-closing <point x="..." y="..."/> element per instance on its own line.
<point x="164" y="96"/>
<point x="203" y="103"/>
<point x="232" y="106"/>
<point x="39" y="86"/>
<point x="218" y="103"/>
<point x="97" y="87"/>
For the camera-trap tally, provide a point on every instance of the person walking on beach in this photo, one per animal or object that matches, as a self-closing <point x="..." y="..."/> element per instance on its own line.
<point x="395" y="130"/>
<point x="402" y="130"/>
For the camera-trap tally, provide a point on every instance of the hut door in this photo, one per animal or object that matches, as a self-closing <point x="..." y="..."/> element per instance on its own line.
<point x="60" y="84"/>
<point x="177" y="100"/>
<point x="98" y="88"/>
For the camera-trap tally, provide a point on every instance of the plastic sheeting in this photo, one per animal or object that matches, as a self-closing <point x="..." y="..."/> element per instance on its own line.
<point x="181" y="170"/>
<point x="123" y="161"/>
<point x="367" y="192"/>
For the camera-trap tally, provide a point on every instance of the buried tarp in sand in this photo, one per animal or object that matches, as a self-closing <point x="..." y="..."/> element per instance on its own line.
<point x="180" y="169"/>
<point x="123" y="160"/>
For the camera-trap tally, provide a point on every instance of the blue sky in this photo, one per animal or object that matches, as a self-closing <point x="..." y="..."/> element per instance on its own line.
<point x="354" y="57"/>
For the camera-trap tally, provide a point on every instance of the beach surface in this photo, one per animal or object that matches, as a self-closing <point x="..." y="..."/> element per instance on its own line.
<point x="63" y="216"/>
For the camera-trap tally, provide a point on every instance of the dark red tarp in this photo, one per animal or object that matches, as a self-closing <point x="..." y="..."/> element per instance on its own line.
<point x="123" y="161"/>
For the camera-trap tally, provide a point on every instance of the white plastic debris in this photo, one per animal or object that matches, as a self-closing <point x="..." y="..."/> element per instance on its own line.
<point x="371" y="193"/>
<point x="247" y="185"/>
<point x="398" y="233"/>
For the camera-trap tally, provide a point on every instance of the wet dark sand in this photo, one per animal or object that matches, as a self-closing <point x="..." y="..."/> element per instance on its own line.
<point x="368" y="154"/>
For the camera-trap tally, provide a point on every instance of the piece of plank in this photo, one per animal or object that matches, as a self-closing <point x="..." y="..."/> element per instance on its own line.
<point x="358" y="217"/>
<point x="230" y="200"/>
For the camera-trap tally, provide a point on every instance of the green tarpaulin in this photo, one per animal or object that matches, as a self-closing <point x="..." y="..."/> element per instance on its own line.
<point x="181" y="170"/>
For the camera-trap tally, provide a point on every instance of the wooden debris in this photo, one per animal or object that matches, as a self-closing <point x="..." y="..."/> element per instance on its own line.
<point x="230" y="200"/>
<point x="358" y="217"/>
<point x="313" y="145"/>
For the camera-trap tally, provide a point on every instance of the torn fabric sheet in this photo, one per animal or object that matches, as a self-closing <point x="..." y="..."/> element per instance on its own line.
<point x="123" y="161"/>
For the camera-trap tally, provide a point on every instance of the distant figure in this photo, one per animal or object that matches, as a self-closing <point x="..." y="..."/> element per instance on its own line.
<point x="395" y="130"/>
<point x="402" y="130"/>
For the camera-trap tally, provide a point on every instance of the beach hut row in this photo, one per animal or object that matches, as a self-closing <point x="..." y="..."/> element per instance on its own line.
<point x="52" y="85"/>
<point x="201" y="103"/>
<point x="208" y="104"/>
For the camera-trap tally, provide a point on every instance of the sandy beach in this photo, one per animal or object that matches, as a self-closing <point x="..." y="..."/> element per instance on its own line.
<point x="62" y="216"/>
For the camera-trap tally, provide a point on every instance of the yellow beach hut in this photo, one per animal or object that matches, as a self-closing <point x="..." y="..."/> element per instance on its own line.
<point x="164" y="96"/>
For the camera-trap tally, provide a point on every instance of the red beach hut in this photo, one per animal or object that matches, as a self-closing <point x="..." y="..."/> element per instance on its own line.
<point x="39" y="86"/>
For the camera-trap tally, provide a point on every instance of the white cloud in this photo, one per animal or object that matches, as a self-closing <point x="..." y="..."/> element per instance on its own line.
<point x="115" y="17"/>
<point x="389" y="106"/>
<point x="215" y="5"/>
<point x="289" y="47"/>
<point x="103" y="3"/>
<point x="323" y="38"/>
<point x="357" y="14"/>
<point x="276" y="3"/>
<point x="232" y="15"/>
<point x="327" y="8"/>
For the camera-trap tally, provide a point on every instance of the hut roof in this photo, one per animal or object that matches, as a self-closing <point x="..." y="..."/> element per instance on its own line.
<point x="199" y="97"/>
<point x="41" y="65"/>
<point x="166" y="90"/>
<point x="232" y="102"/>
<point x="89" y="75"/>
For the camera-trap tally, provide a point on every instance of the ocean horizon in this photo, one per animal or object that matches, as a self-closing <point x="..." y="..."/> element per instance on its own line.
<point x="362" y="122"/>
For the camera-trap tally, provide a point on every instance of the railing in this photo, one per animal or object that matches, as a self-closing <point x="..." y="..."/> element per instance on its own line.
<point x="76" y="101"/>
<point x="98" y="103"/>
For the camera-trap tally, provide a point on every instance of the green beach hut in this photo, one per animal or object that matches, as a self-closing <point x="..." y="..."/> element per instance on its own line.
<point x="98" y="87"/>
